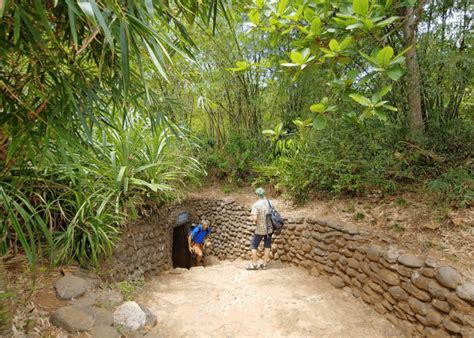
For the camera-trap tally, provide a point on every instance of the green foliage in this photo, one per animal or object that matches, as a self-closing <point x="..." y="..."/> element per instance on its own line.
<point x="353" y="159"/>
<point x="71" y="200"/>
<point x="77" y="154"/>
<point x="455" y="185"/>
<point x="234" y="163"/>
<point x="128" y="289"/>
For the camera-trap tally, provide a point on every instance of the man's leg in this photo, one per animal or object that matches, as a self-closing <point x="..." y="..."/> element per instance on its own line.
<point x="254" y="256"/>
<point x="267" y="242"/>
<point x="198" y="250"/>
<point x="254" y="242"/>
<point x="266" y="255"/>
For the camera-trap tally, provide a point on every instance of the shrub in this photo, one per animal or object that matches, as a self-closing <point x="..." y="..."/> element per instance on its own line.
<point x="236" y="160"/>
<point x="455" y="185"/>
<point x="355" y="159"/>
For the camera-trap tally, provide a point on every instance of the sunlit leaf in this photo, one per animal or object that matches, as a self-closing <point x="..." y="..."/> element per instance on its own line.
<point x="297" y="57"/>
<point x="384" y="56"/>
<point x="387" y="21"/>
<point x="395" y="73"/>
<point x="320" y="122"/>
<point x="316" y="26"/>
<point x="334" y="45"/>
<point x="360" y="7"/>
<point x="317" y="108"/>
<point x="282" y="6"/>
<point x="361" y="99"/>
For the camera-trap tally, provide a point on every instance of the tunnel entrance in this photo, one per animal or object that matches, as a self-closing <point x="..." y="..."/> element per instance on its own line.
<point x="181" y="255"/>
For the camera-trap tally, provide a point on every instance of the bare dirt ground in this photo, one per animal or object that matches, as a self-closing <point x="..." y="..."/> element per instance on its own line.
<point x="408" y="220"/>
<point x="225" y="300"/>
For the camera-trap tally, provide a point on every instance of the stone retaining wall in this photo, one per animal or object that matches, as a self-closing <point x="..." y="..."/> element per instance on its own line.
<point x="416" y="294"/>
<point x="144" y="250"/>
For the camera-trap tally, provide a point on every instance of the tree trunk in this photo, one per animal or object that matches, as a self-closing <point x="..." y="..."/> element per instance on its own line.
<point x="5" y="304"/>
<point x="413" y="73"/>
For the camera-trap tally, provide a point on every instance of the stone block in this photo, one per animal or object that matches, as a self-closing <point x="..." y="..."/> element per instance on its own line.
<point x="410" y="261"/>
<point x="459" y="304"/>
<point x="406" y="308"/>
<point x="451" y="326"/>
<point x="441" y="305"/>
<point x="374" y="252"/>
<point x="466" y="292"/>
<point x="418" y="306"/>
<point x="427" y="272"/>
<point x="376" y="287"/>
<point x="404" y="271"/>
<point x="337" y="282"/>
<point x="419" y="281"/>
<point x="389" y="277"/>
<point x="448" y="277"/>
<point x="437" y="290"/>
<point x="433" y="317"/>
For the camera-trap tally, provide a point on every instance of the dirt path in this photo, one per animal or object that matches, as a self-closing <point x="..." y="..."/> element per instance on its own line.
<point x="225" y="300"/>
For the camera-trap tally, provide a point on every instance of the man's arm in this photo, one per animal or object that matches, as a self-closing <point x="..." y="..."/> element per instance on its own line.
<point x="253" y="214"/>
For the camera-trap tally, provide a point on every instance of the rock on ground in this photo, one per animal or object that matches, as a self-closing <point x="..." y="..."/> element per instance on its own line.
<point x="70" y="286"/>
<point x="74" y="318"/>
<point x="104" y="331"/>
<point x="109" y="298"/>
<point x="91" y="278"/>
<point x="130" y="316"/>
<point x="103" y="317"/>
<point x="151" y="319"/>
<point x="88" y="299"/>
<point x="337" y="282"/>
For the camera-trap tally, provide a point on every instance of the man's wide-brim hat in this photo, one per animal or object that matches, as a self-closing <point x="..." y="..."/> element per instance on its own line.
<point x="260" y="192"/>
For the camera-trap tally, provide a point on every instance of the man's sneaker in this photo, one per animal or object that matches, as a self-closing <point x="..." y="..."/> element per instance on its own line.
<point x="252" y="266"/>
<point x="263" y="266"/>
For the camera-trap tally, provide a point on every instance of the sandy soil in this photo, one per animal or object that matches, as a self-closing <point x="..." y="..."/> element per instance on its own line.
<point x="225" y="300"/>
<point x="407" y="220"/>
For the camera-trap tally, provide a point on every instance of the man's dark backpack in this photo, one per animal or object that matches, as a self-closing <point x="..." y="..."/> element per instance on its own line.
<point x="276" y="219"/>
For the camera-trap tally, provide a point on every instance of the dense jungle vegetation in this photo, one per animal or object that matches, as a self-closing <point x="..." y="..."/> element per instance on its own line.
<point x="109" y="106"/>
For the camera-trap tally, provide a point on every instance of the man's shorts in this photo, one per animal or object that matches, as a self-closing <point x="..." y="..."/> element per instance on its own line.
<point x="256" y="239"/>
<point x="198" y="248"/>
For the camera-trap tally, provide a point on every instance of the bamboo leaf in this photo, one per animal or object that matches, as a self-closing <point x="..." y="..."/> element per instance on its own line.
<point x="3" y="7"/>
<point x="124" y="56"/>
<point x="102" y="23"/>
<point x="282" y="6"/>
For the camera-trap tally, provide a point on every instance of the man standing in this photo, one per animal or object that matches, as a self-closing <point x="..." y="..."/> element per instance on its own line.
<point x="263" y="230"/>
<point x="197" y="240"/>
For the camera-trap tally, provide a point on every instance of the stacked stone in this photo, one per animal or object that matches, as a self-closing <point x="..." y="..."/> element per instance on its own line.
<point x="414" y="293"/>
<point x="232" y="228"/>
<point x="143" y="250"/>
